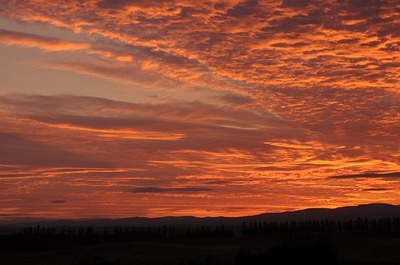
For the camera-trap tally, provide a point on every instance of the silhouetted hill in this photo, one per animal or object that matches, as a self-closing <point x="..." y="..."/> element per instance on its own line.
<point x="342" y="213"/>
<point x="375" y="210"/>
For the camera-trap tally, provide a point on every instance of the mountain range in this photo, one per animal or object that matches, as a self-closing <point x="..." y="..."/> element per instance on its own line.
<point x="376" y="210"/>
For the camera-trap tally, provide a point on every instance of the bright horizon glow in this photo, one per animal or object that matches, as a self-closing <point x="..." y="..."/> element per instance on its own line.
<point x="114" y="108"/>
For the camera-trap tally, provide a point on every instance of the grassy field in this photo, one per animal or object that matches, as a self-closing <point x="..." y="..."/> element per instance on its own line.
<point x="349" y="249"/>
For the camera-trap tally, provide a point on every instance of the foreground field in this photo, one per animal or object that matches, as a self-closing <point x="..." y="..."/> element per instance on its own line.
<point x="349" y="249"/>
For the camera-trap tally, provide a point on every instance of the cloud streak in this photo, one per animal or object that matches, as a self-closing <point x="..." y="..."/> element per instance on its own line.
<point x="36" y="41"/>
<point x="170" y="190"/>
<point x="392" y="175"/>
<point x="57" y="201"/>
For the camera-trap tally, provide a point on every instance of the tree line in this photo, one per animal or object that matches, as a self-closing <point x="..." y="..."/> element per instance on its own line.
<point x="44" y="238"/>
<point x="356" y="226"/>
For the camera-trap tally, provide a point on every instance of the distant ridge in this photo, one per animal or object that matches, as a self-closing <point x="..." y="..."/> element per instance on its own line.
<point x="375" y="210"/>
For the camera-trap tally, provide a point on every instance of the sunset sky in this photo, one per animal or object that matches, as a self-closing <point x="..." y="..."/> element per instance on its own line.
<point x="120" y="108"/>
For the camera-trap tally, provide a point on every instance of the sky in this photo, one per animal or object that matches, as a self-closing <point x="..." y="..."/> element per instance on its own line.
<point x="118" y="108"/>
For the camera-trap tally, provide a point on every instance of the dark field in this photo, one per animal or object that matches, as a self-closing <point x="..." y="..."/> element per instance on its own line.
<point x="349" y="250"/>
<point x="309" y="243"/>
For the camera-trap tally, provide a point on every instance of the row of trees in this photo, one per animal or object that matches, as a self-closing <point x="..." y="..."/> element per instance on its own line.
<point x="40" y="238"/>
<point x="37" y="238"/>
<point x="357" y="226"/>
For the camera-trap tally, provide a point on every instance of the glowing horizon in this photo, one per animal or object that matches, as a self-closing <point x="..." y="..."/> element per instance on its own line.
<point x="118" y="108"/>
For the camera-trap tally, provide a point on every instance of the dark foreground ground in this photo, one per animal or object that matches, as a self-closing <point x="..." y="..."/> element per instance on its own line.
<point x="245" y="241"/>
<point x="248" y="249"/>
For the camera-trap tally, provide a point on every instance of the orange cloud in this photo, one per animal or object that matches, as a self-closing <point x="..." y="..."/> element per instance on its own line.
<point x="35" y="41"/>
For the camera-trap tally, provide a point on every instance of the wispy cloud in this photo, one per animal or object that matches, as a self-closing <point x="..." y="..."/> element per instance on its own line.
<point x="170" y="190"/>
<point x="58" y="201"/>
<point x="393" y="175"/>
<point x="376" y="189"/>
<point x="36" y="41"/>
<point x="20" y="150"/>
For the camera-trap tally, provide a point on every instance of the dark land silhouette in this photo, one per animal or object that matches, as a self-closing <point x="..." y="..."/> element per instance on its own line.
<point x="366" y="234"/>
